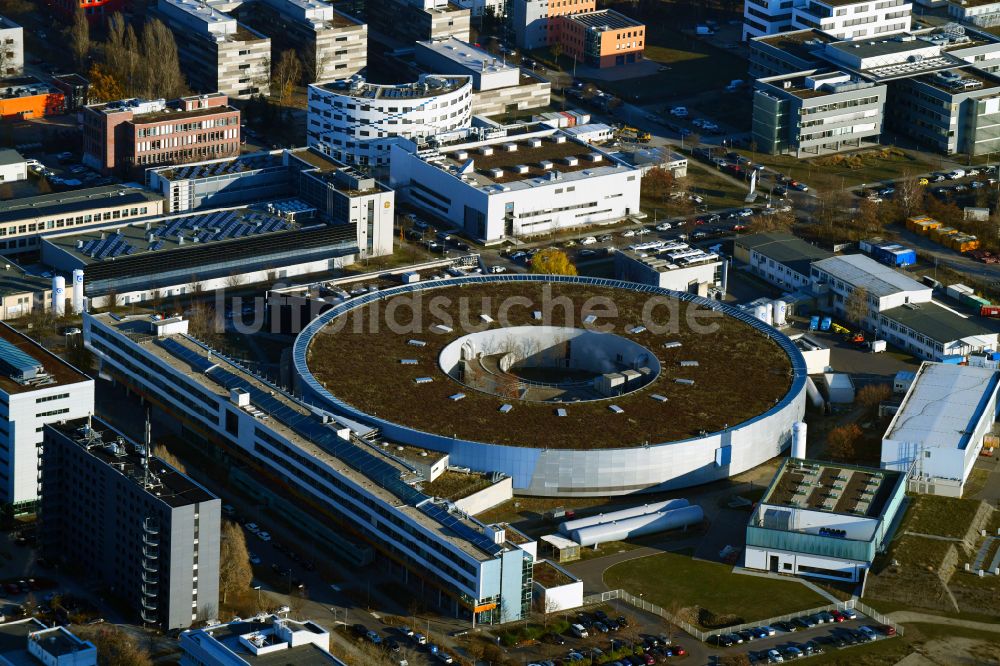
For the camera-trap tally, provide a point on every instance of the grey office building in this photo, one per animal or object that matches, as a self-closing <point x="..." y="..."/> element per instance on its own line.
<point x="813" y="113"/>
<point x="138" y="525"/>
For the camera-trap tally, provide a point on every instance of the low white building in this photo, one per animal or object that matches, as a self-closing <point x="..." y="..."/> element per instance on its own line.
<point x="520" y="181"/>
<point x="781" y="259"/>
<point x="11" y="48"/>
<point x="271" y="638"/>
<point x="836" y="278"/>
<point x="670" y="265"/>
<point x="36" y="387"/>
<point x="29" y="642"/>
<point x="822" y="520"/>
<point x="357" y="122"/>
<point x="933" y="330"/>
<point x="938" y="431"/>
<point x="13" y="166"/>
<point x="555" y="589"/>
<point x="815" y="353"/>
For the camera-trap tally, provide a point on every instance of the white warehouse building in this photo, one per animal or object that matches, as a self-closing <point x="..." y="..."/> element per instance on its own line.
<point x="520" y="181"/>
<point x="939" y="428"/>
<point x="356" y="122"/>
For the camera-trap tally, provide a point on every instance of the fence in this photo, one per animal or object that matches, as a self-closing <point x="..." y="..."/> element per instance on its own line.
<point x="643" y="605"/>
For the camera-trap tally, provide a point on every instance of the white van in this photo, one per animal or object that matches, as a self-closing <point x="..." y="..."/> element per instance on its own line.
<point x="956" y="174"/>
<point x="579" y="631"/>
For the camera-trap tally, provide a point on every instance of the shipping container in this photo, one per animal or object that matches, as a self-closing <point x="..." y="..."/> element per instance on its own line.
<point x="570" y="119"/>
<point x="973" y="301"/>
<point x="824" y="325"/>
<point x="940" y="232"/>
<point x="953" y="359"/>
<point x="956" y="290"/>
<point x="813" y="322"/>
<point x="989" y="311"/>
<point x="968" y="243"/>
<point x="922" y="224"/>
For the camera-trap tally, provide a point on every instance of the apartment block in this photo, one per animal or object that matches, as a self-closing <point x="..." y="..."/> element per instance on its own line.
<point x="814" y="112"/>
<point x="11" y="48"/>
<point x="36" y="388"/>
<point x="408" y="21"/>
<point x="130" y="135"/>
<point x="533" y="20"/>
<point x="217" y="52"/>
<point x="330" y="44"/>
<point x="130" y="521"/>
<point x="601" y="39"/>
<point x="844" y="19"/>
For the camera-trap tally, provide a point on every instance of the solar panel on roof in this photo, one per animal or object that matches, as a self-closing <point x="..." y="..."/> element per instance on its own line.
<point x="18" y="363"/>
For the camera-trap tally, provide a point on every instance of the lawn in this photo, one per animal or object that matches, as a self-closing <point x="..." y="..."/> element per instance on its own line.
<point x="827" y="172"/>
<point x="668" y="579"/>
<point x="695" y="67"/>
<point x="942" y="516"/>
<point x="717" y="190"/>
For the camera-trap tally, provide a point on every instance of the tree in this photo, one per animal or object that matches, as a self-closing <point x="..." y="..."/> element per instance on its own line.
<point x="121" y="55"/>
<point x="841" y="441"/>
<point x="658" y="184"/>
<point x="79" y="37"/>
<point x="235" y="572"/>
<point x="909" y="195"/>
<point x="287" y="73"/>
<point x="856" y="306"/>
<point x="552" y="261"/>
<point x="164" y="454"/>
<point x="104" y="86"/>
<point x="115" y="647"/>
<point x="160" y="69"/>
<point x="872" y="395"/>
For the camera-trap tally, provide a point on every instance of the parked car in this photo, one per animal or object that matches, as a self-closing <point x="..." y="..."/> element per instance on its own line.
<point x="252" y="528"/>
<point x="373" y="637"/>
<point x="589" y="240"/>
<point x="264" y="536"/>
<point x="774" y="657"/>
<point x="798" y="187"/>
<point x="850" y="614"/>
<point x="721" y="640"/>
<point x="793" y="652"/>
<point x="868" y="633"/>
<point x="664" y="226"/>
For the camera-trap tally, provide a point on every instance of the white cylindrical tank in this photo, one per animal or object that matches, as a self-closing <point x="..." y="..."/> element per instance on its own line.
<point x="769" y="308"/>
<point x="760" y="312"/>
<point x="632" y="512"/>
<point x="780" y="313"/>
<point x="814" y="395"/>
<point x="58" y="295"/>
<point x="799" y="440"/>
<point x="77" y="299"/>
<point x="639" y="525"/>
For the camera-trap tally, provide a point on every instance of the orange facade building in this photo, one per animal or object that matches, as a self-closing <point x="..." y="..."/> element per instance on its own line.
<point x="28" y="97"/>
<point x="601" y="38"/>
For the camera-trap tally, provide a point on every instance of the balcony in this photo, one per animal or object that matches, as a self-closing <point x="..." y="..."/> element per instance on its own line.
<point x="149" y="604"/>
<point x="150" y="540"/>
<point x="148" y="617"/>
<point x="150" y="553"/>
<point x="150" y="578"/>
<point x="150" y="526"/>
<point x="150" y="567"/>
<point x="150" y="590"/>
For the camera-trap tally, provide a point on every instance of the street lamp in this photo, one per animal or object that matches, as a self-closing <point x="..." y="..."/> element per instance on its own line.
<point x="257" y="587"/>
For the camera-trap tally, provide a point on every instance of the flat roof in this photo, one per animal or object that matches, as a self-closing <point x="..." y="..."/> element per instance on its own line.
<point x="877" y="279"/>
<point x="519" y="162"/>
<point x="831" y="488"/>
<point x="10" y="156"/>
<point x="76" y="200"/>
<point x="943" y="405"/>
<point x="133" y="239"/>
<point x="664" y="257"/>
<point x="800" y="44"/>
<point x="785" y="249"/>
<point x="466" y="55"/>
<point x="115" y="450"/>
<point x="25" y="86"/>
<point x="824" y="83"/>
<point x="603" y="20"/>
<point x="225" y="167"/>
<point x="390" y="480"/>
<point x="201" y="258"/>
<point x="57" y="371"/>
<point x="228" y="636"/>
<point x="939" y="323"/>
<point x="960" y="80"/>
<point x="428" y="85"/>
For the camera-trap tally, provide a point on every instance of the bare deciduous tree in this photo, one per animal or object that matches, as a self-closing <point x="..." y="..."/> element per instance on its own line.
<point x="79" y="37"/>
<point x="287" y="73"/>
<point x="856" y="306"/>
<point x="160" y="68"/>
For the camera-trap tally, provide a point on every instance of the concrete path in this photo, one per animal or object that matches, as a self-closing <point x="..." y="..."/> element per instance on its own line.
<point x="907" y="617"/>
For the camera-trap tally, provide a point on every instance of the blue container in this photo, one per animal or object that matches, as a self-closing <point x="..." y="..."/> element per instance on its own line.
<point x="825" y="324"/>
<point x="813" y="322"/>
<point x="953" y="359"/>
<point x="906" y="258"/>
<point x="995" y="356"/>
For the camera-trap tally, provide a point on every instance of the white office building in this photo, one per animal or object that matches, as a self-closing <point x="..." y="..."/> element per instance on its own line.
<point x="261" y="639"/>
<point x="836" y="278"/>
<point x="357" y="122"/>
<point x="844" y="19"/>
<point x="515" y="182"/>
<point x="36" y="387"/>
<point x="937" y="433"/>
<point x="13" y="167"/>
<point x="11" y="48"/>
<point x="782" y="259"/>
<point x="466" y="568"/>
<point x="823" y="521"/>
<point x="669" y="265"/>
